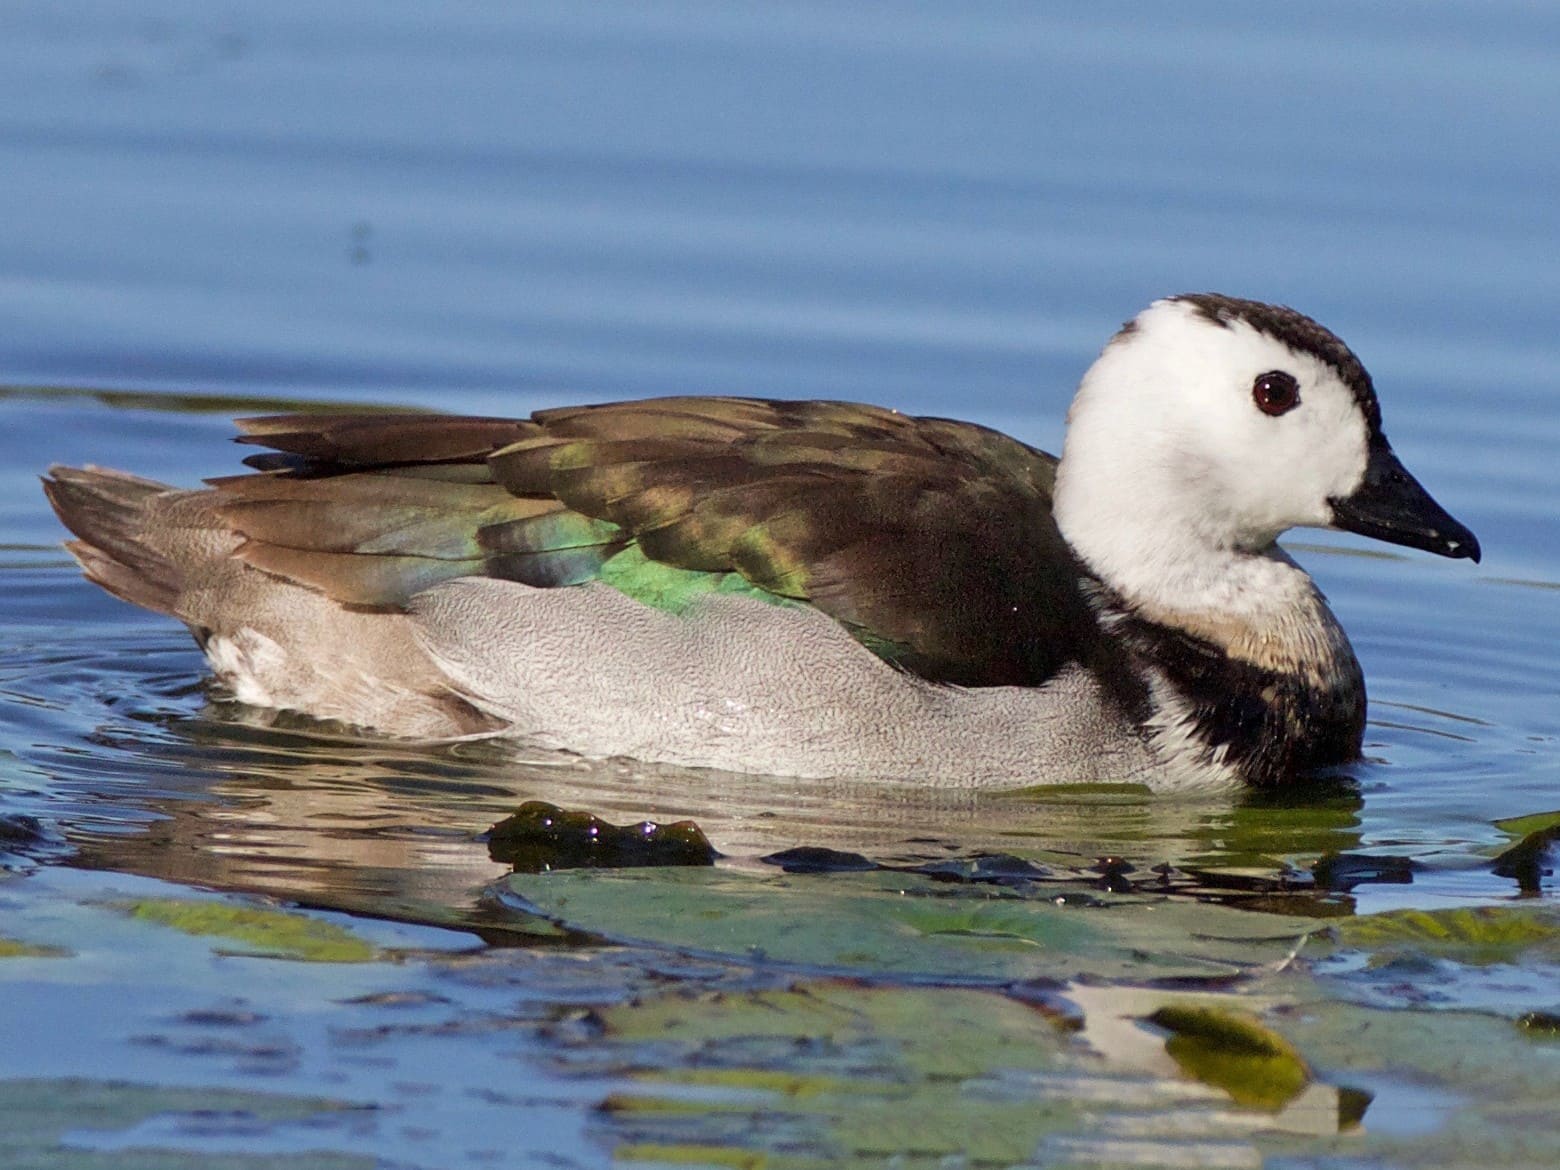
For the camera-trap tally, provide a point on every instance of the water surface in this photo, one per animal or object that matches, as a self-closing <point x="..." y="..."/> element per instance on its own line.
<point x="216" y="210"/>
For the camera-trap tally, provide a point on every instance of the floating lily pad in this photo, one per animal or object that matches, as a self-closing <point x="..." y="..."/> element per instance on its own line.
<point x="844" y="1074"/>
<point x="1532" y="823"/>
<point x="1454" y="1090"/>
<point x="11" y="948"/>
<point x="1481" y="934"/>
<point x="884" y="922"/>
<point x="841" y="1073"/>
<point x="973" y="1027"/>
<point x="272" y="933"/>
<point x="51" y="1124"/>
<point x="1528" y="861"/>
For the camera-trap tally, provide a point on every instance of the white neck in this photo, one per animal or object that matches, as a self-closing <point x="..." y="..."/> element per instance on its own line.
<point x="1164" y="565"/>
<point x="1258" y="607"/>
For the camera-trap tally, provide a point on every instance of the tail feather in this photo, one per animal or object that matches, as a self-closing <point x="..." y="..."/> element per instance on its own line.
<point x="106" y="510"/>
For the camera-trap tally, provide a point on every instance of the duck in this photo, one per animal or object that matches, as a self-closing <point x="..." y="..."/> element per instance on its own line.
<point x="811" y="589"/>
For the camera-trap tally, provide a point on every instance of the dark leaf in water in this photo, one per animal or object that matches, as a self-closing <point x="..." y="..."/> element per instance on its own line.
<point x="1544" y="1025"/>
<point x="817" y="859"/>
<point x="541" y="836"/>
<point x="1344" y="871"/>
<point x="1528" y="862"/>
<point x="998" y="868"/>
<point x="27" y="839"/>
<point x="1352" y="1104"/>
<point x="1113" y="873"/>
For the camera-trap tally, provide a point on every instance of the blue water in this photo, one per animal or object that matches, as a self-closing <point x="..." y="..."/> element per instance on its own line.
<point x="495" y="208"/>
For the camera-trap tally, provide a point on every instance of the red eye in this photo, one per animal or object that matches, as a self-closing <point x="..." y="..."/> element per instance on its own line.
<point x="1275" y="392"/>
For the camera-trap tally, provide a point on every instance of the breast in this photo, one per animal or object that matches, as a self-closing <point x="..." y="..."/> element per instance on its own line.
<point x="1265" y="704"/>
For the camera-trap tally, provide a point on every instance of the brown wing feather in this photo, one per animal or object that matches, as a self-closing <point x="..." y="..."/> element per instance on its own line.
<point x="368" y="440"/>
<point x="932" y="540"/>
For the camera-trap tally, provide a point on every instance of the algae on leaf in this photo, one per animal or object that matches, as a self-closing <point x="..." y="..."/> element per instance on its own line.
<point x="11" y="948"/>
<point x="269" y="933"/>
<point x="1235" y="1052"/>
<point x="1475" y="935"/>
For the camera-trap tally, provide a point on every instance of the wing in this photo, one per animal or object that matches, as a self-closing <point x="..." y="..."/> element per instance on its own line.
<point x="932" y="541"/>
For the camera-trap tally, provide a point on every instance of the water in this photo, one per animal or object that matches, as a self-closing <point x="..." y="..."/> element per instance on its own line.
<point x="215" y="209"/>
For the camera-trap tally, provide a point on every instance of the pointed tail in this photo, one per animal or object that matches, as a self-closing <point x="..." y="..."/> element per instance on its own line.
<point x="107" y="510"/>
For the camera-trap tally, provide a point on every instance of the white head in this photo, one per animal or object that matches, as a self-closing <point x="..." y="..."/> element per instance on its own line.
<point x="1210" y="425"/>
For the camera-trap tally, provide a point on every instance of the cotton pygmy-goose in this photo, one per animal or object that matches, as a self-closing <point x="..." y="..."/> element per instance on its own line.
<point x="811" y="588"/>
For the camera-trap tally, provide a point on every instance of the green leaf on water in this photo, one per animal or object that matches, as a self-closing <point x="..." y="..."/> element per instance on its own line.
<point x="1527" y="862"/>
<point x="42" y="1118"/>
<point x="1532" y="823"/>
<point x="942" y="1032"/>
<point x="839" y="1072"/>
<point x="1476" y="935"/>
<point x="893" y="923"/>
<point x="691" y="1155"/>
<point x="270" y="933"/>
<point x="1235" y="1052"/>
<point x="11" y="948"/>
